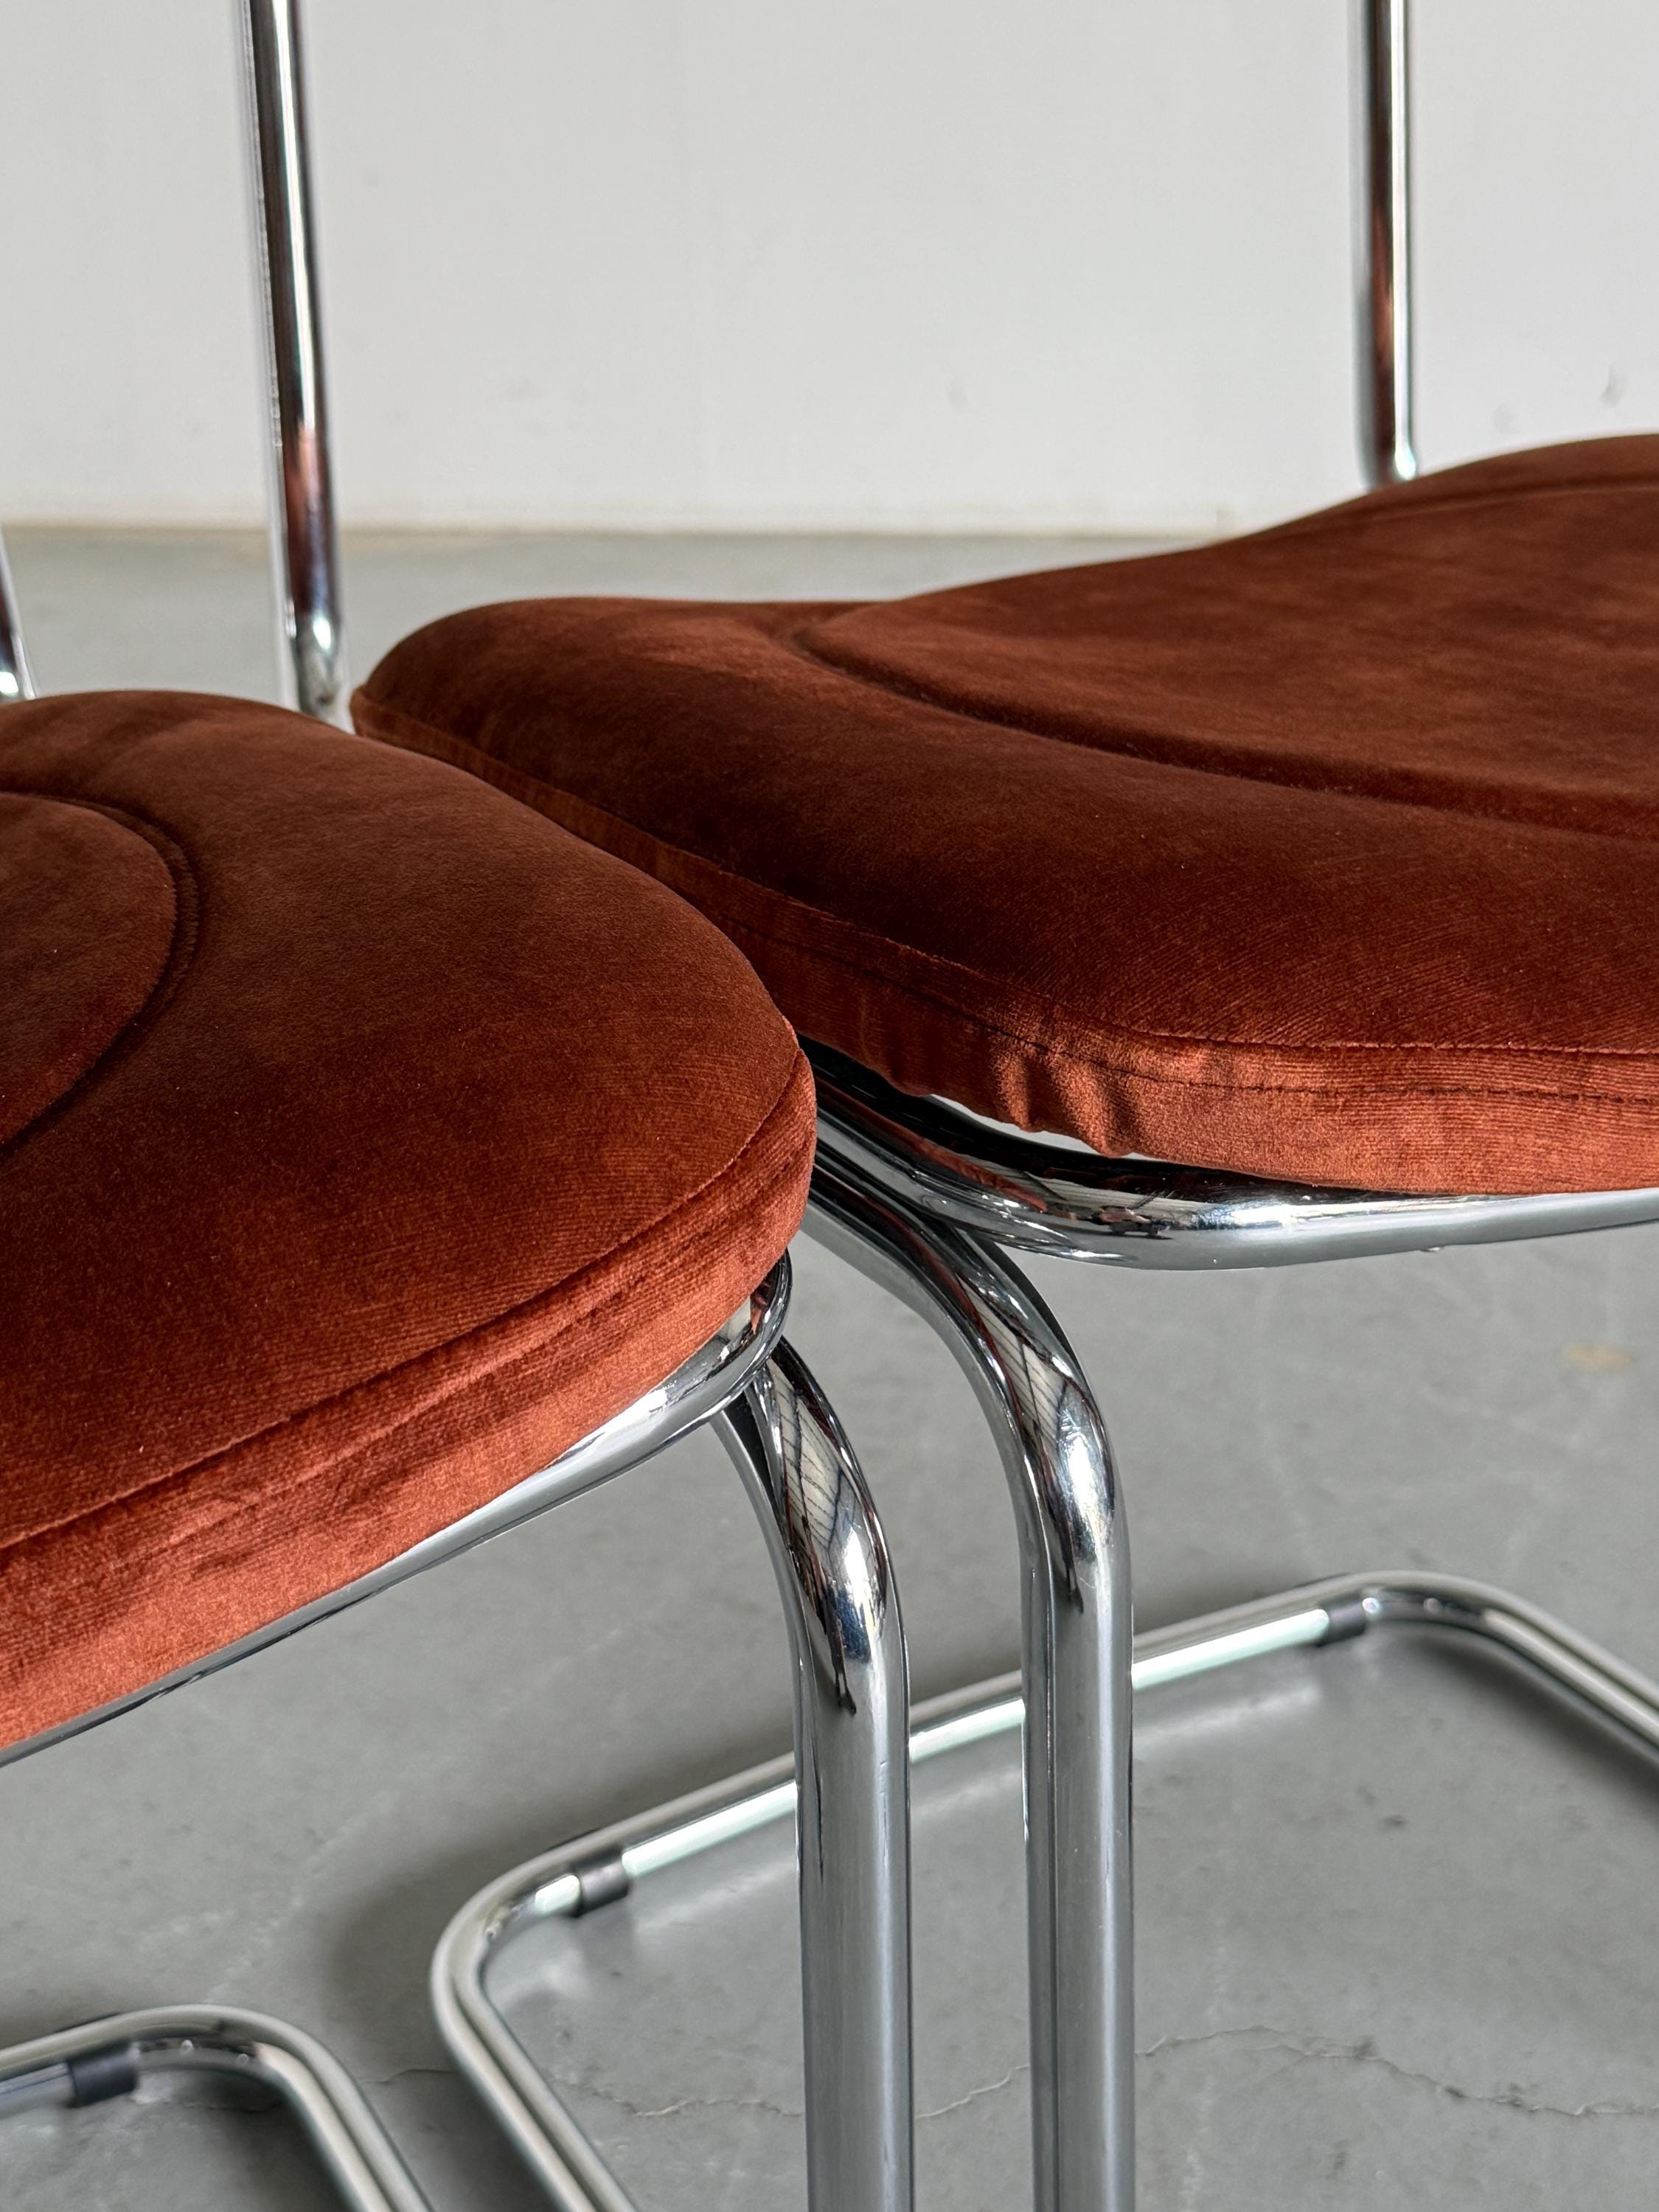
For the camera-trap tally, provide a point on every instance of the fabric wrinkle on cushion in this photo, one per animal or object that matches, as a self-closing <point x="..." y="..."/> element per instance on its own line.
<point x="1327" y="853"/>
<point x="445" y="1136"/>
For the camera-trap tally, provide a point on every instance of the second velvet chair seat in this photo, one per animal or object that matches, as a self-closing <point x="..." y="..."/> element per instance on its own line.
<point x="1327" y="853"/>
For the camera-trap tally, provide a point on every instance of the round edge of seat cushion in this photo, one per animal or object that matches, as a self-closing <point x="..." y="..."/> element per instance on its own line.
<point x="173" y="1557"/>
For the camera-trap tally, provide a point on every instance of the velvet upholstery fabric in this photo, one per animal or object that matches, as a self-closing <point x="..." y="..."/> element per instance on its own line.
<point x="369" y="1140"/>
<point x="1329" y="853"/>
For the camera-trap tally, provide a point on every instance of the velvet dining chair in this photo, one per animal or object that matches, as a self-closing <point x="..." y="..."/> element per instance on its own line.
<point x="380" y="1165"/>
<point x="1270" y="901"/>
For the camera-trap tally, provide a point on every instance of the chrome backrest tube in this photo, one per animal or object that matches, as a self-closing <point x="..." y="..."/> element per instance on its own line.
<point x="310" y="632"/>
<point x="695" y="1393"/>
<point x="1050" y="1195"/>
<point x="1383" y="270"/>
<point x="15" y="682"/>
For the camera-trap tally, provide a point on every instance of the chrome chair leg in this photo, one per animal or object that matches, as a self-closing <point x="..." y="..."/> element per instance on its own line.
<point x="1076" y="1650"/>
<point x="852" y="1738"/>
<point x="108" y="2058"/>
<point x="851" y="1758"/>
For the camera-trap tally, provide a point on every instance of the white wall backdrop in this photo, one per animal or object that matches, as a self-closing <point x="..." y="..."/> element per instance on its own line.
<point x="888" y="264"/>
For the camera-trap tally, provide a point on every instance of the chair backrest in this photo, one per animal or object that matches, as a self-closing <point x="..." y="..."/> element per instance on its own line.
<point x="15" y="679"/>
<point x="311" y="631"/>
<point x="1381" y="140"/>
<point x="310" y="628"/>
<point x="305" y="547"/>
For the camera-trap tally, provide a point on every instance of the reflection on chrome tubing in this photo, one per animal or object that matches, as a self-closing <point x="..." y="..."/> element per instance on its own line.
<point x="929" y="1200"/>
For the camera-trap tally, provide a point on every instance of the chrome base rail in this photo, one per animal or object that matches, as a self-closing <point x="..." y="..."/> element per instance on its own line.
<point x="108" y="2058"/>
<point x="599" y="1869"/>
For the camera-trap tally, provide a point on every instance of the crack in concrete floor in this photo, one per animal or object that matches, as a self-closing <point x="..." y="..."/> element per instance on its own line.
<point x="1322" y="2049"/>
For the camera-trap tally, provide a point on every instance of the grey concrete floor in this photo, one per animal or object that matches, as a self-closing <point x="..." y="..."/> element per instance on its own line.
<point x="1399" y="1917"/>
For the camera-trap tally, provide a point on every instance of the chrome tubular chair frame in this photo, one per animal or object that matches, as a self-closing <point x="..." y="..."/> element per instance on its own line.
<point x="926" y="1199"/>
<point x="856" y="1941"/>
<point x="1050" y="1195"/>
<point x="602" y="1869"/>
<point x="851" y="1705"/>
<point x="1076" y="1630"/>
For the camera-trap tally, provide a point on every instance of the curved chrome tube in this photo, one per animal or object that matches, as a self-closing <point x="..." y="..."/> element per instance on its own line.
<point x="693" y="1393"/>
<point x="1048" y="1195"/>
<point x="851" y="1721"/>
<point x="1382" y="303"/>
<point x="852" y="1736"/>
<point x="108" y="2058"/>
<point x="561" y="1883"/>
<point x="1348" y="1605"/>
<point x="305" y="552"/>
<point x="15" y="682"/>
<point x="1077" y="1631"/>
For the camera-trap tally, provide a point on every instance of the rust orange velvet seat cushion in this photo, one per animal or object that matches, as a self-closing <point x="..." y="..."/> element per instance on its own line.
<point x="1330" y="853"/>
<point x="365" y="1141"/>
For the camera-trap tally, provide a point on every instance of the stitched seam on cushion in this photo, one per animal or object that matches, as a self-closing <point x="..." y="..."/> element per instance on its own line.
<point x="115" y="1508"/>
<point x="1141" y="743"/>
<point x="397" y="715"/>
<point x="1043" y="1047"/>
<point x="182" y="942"/>
<point x="522" y="1311"/>
<point x="1171" y="1036"/>
<point x="1125" y="738"/>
